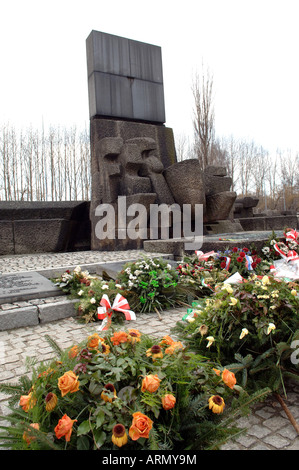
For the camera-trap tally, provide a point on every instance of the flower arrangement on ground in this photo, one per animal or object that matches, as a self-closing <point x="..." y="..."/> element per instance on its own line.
<point x="150" y="283"/>
<point x="253" y="324"/>
<point x="124" y="391"/>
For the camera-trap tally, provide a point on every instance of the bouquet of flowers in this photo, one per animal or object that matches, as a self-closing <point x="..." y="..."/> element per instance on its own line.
<point x="149" y="284"/>
<point x="123" y="391"/>
<point x="71" y="282"/>
<point x="255" y="321"/>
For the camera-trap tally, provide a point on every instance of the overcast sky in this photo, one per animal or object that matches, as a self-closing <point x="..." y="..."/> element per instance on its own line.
<point x="250" y="48"/>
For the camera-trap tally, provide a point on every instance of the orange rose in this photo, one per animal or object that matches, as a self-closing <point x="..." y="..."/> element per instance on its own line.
<point x="27" y="402"/>
<point x="141" y="426"/>
<point x="93" y="341"/>
<point x="64" y="427"/>
<point x="119" y="337"/>
<point x="229" y="378"/>
<point x="73" y="352"/>
<point x="150" y="383"/>
<point x="175" y="346"/>
<point x="68" y="382"/>
<point x="29" y="437"/>
<point x="168" y="401"/>
<point x="167" y="340"/>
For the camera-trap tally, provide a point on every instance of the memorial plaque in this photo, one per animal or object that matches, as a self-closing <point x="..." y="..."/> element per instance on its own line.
<point x="25" y="286"/>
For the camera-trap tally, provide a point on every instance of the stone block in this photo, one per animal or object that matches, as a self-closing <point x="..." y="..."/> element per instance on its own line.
<point x="218" y="206"/>
<point x="18" y="318"/>
<point x="216" y="184"/>
<point x="185" y="180"/>
<point x="250" y="224"/>
<point x="213" y="170"/>
<point x="24" y="286"/>
<point x="110" y="95"/>
<point x="57" y="311"/>
<point x="6" y="237"/>
<point x="38" y="236"/>
<point x="125" y="78"/>
<point x="281" y="222"/>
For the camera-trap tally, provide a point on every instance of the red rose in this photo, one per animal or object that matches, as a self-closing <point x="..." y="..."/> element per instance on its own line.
<point x="240" y="259"/>
<point x="242" y="254"/>
<point x="235" y="249"/>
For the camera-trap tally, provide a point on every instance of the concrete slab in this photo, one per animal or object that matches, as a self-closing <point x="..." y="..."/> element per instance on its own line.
<point x="24" y="286"/>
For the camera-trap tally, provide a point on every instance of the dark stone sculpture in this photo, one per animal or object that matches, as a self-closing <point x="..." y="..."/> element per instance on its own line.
<point x="133" y="157"/>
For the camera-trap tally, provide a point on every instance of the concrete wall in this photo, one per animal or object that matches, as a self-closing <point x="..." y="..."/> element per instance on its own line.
<point x="40" y="227"/>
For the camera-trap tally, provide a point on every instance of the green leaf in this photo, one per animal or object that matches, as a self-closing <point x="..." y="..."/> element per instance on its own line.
<point x="83" y="428"/>
<point x="99" y="437"/>
<point x="100" y="418"/>
<point x="83" y="443"/>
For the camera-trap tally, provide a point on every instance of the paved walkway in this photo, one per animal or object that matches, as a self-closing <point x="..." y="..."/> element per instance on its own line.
<point x="268" y="427"/>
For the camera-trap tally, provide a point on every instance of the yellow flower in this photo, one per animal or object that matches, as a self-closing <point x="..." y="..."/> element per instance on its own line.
<point x="119" y="435"/>
<point x="244" y="332"/>
<point x="51" y="401"/>
<point x="155" y="352"/>
<point x="270" y="328"/>
<point x="294" y="292"/>
<point x="104" y="348"/>
<point x="228" y="288"/>
<point x="233" y="301"/>
<point x="107" y="393"/>
<point x="266" y="280"/>
<point x="203" y="329"/>
<point x="216" y="404"/>
<point x="134" y="335"/>
<point x="211" y="340"/>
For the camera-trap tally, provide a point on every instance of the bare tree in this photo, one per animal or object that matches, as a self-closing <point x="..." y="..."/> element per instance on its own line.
<point x="44" y="165"/>
<point x="203" y="117"/>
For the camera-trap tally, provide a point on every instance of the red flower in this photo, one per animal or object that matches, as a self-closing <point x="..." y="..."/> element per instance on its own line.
<point x="222" y="265"/>
<point x="245" y="249"/>
<point x="242" y="254"/>
<point x="235" y="249"/>
<point x="240" y="259"/>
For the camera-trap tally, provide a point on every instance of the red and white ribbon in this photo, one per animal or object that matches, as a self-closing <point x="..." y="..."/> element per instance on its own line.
<point x="105" y="312"/>
<point x="290" y="256"/>
<point x="292" y="235"/>
<point x="204" y="256"/>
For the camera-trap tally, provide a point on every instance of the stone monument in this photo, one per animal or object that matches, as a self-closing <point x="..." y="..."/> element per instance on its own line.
<point x="133" y="153"/>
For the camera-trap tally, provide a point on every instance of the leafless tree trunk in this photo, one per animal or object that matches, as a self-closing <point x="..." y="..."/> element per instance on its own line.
<point x="203" y="117"/>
